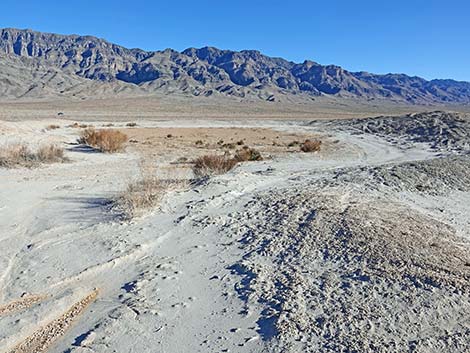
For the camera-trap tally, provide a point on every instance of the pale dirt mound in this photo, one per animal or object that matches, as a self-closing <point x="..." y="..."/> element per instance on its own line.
<point x="433" y="177"/>
<point x="442" y="130"/>
<point x="337" y="275"/>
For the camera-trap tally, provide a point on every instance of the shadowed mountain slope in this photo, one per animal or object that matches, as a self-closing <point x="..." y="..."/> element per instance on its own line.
<point x="35" y="64"/>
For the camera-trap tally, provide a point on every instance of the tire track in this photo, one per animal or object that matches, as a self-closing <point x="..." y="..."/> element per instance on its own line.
<point x="43" y="338"/>
<point x="20" y="304"/>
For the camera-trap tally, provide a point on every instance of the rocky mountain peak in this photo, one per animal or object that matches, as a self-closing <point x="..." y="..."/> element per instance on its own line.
<point x="209" y="70"/>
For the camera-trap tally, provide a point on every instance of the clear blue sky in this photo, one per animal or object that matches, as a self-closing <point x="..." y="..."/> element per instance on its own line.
<point x="427" y="38"/>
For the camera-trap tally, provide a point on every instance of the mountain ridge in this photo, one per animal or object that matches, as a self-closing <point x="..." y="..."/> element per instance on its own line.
<point x="50" y="64"/>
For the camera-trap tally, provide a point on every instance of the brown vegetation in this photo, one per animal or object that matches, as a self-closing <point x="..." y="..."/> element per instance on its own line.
<point x="248" y="154"/>
<point x="104" y="140"/>
<point x="81" y="126"/>
<point x="146" y="192"/>
<point x="229" y="146"/>
<point x="293" y="144"/>
<point x="52" y="127"/>
<point x="310" y="146"/>
<point x="213" y="165"/>
<point x="20" y="155"/>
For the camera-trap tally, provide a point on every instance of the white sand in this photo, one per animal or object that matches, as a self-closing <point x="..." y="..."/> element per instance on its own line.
<point x="174" y="280"/>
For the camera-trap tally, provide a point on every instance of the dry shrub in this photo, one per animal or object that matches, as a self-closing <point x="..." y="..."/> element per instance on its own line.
<point x="147" y="192"/>
<point x="104" y="140"/>
<point x="213" y="165"/>
<point x="248" y="154"/>
<point x="230" y="146"/>
<point x="81" y="126"/>
<point x="52" y="127"/>
<point x="20" y="155"/>
<point x="50" y="154"/>
<point x="310" y="146"/>
<point x="131" y="124"/>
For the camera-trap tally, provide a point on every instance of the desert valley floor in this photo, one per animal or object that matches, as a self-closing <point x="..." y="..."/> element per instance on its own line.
<point x="360" y="247"/>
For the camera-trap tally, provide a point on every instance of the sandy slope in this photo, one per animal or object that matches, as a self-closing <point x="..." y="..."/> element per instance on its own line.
<point x="315" y="253"/>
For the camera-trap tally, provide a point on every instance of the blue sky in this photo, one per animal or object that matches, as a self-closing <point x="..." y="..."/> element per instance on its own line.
<point x="425" y="38"/>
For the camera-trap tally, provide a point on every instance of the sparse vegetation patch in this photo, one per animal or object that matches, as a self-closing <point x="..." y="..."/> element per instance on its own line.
<point x="105" y="140"/>
<point x="248" y="154"/>
<point x="213" y="165"/>
<point x="310" y="146"/>
<point x="146" y="192"/>
<point x="20" y="155"/>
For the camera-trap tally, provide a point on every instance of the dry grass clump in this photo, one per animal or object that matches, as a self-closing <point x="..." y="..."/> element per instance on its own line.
<point x="248" y="154"/>
<point x="105" y="140"/>
<point x="213" y="165"/>
<point x="310" y="146"/>
<point x="52" y="127"/>
<point x="219" y="164"/>
<point x="146" y="192"/>
<point x="20" y="155"/>
<point x="50" y="154"/>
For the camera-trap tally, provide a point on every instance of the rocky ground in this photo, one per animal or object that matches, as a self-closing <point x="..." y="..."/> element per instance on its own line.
<point x="362" y="247"/>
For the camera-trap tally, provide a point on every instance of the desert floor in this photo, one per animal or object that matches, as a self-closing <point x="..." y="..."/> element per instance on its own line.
<point x="360" y="247"/>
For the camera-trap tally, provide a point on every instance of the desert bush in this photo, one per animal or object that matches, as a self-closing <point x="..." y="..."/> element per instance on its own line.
<point x="199" y="143"/>
<point x="104" y="140"/>
<point x="146" y="192"/>
<point x="52" y="127"/>
<point x="230" y="146"/>
<point x="248" y="154"/>
<point x="213" y="165"/>
<point x="81" y="126"/>
<point x="310" y="146"/>
<point x="20" y="155"/>
<point x="131" y="124"/>
<point x="50" y="154"/>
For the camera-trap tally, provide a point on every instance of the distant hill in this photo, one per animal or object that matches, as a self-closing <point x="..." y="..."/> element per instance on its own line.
<point x="35" y="64"/>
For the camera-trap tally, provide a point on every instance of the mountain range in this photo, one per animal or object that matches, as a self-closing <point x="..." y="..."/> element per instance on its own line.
<point x="42" y="65"/>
